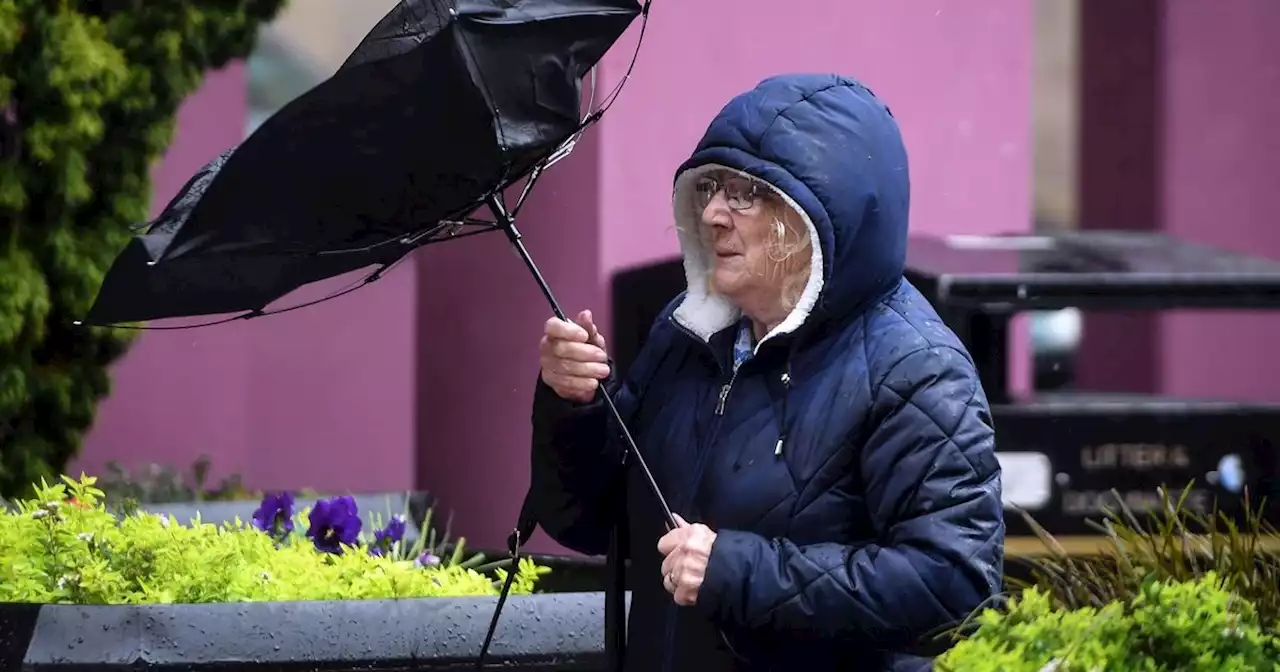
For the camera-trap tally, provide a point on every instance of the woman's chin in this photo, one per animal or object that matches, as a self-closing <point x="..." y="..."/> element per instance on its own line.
<point x="726" y="283"/>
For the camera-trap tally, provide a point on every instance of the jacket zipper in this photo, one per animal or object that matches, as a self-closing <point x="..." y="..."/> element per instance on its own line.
<point x="714" y="431"/>
<point x="703" y="458"/>
<point x="724" y="393"/>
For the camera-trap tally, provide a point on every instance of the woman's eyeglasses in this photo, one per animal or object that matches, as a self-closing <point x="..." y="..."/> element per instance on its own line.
<point x="739" y="192"/>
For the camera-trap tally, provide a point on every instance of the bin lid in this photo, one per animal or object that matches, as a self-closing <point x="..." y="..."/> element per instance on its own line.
<point x="1088" y="269"/>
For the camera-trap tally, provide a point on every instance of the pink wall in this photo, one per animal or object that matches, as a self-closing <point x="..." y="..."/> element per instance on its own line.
<point x="1221" y="161"/>
<point x="1172" y="144"/>
<point x="958" y="75"/>
<point x="321" y="397"/>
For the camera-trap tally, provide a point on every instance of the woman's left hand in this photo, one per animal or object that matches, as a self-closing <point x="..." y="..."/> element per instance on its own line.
<point x="687" y="549"/>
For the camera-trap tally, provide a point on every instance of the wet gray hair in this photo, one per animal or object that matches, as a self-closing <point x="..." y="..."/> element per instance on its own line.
<point x="790" y="241"/>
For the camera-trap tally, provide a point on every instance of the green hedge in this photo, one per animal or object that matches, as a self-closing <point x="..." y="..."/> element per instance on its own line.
<point x="88" y="96"/>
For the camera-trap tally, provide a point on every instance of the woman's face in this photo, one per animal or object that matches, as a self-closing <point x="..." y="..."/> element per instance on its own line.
<point x="742" y="226"/>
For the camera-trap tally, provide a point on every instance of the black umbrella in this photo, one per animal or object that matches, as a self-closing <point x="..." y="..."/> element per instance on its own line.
<point x="444" y="105"/>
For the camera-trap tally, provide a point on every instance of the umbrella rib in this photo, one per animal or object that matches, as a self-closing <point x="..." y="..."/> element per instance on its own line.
<point x="376" y="275"/>
<point x="502" y="135"/>
<point x="528" y="186"/>
<point x="368" y="279"/>
<point x="617" y="89"/>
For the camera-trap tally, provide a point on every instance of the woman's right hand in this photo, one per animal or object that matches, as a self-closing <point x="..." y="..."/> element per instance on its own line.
<point x="573" y="357"/>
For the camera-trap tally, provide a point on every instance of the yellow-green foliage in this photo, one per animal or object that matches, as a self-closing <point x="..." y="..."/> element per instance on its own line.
<point x="63" y="546"/>
<point x="88" y="95"/>
<point x="1193" y="626"/>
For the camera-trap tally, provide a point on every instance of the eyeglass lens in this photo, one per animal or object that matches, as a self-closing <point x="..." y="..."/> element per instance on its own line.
<point x="740" y="193"/>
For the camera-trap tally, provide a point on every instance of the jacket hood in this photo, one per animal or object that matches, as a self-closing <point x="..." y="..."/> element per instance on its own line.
<point x="834" y="153"/>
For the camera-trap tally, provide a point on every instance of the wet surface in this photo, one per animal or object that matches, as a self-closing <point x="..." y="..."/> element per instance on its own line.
<point x="538" y="632"/>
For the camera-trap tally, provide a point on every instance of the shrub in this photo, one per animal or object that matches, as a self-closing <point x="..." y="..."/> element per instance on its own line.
<point x="1173" y="544"/>
<point x="1177" y="591"/>
<point x="64" y="546"/>
<point x="88" y="95"/>
<point x="1193" y="626"/>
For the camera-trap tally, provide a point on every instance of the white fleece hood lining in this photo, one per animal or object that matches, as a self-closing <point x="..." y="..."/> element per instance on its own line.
<point x="704" y="312"/>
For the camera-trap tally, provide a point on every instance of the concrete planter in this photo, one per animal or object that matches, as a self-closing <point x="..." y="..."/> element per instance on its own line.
<point x="537" y="632"/>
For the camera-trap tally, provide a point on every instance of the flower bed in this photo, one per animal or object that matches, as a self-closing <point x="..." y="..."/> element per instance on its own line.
<point x="84" y="588"/>
<point x="64" y="546"/>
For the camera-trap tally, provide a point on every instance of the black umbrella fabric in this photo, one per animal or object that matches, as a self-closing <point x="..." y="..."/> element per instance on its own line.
<point x="442" y="105"/>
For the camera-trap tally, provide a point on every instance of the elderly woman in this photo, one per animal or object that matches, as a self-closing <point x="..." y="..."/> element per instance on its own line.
<point x="804" y="409"/>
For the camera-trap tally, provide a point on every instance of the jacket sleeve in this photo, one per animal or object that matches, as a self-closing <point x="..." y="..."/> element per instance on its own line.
<point x="574" y="470"/>
<point x="577" y="449"/>
<point x="932" y="486"/>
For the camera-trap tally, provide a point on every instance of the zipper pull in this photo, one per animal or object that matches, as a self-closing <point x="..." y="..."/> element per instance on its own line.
<point x="786" y="385"/>
<point x="724" y="396"/>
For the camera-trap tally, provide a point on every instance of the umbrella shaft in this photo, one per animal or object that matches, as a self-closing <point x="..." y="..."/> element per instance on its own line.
<point x="508" y="226"/>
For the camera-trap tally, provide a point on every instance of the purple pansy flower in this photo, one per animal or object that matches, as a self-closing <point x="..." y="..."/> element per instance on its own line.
<point x="335" y="523"/>
<point x="275" y="514"/>
<point x="386" y="537"/>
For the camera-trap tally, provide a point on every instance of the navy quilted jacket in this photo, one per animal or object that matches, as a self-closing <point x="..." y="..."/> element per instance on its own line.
<point x="848" y="466"/>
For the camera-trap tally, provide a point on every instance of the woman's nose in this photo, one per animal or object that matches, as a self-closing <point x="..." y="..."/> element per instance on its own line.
<point x="717" y="212"/>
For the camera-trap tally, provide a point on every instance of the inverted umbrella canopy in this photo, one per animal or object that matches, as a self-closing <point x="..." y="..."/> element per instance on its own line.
<point x="443" y="104"/>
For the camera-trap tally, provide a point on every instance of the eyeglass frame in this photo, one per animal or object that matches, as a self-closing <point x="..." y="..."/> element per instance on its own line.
<point x="755" y="192"/>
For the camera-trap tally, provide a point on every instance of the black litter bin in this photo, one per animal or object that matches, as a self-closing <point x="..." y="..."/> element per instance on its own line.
<point x="1065" y="454"/>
